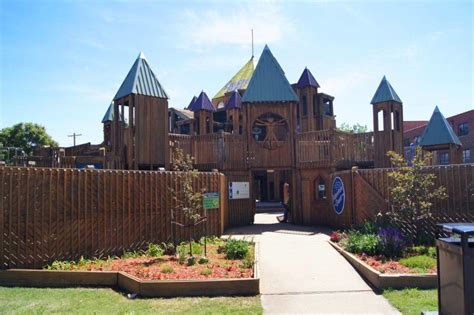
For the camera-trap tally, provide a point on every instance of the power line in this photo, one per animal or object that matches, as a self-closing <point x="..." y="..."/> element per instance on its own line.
<point x="74" y="135"/>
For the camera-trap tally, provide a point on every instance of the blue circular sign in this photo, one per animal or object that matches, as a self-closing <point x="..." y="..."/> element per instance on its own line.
<point x="338" y="195"/>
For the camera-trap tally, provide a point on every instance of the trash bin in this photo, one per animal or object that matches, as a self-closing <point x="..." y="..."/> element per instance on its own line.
<point x="456" y="269"/>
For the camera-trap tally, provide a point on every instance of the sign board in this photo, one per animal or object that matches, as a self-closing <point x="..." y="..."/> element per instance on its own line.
<point x="338" y="195"/>
<point x="239" y="190"/>
<point x="210" y="200"/>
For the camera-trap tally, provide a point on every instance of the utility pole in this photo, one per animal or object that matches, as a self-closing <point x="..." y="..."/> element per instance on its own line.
<point x="74" y="135"/>
<point x="252" y="42"/>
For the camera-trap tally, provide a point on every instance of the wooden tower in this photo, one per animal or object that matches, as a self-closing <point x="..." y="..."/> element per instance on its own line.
<point x="309" y="114"/>
<point x="107" y="121"/>
<point x="234" y="116"/>
<point x="203" y="114"/>
<point x="141" y="142"/>
<point x="440" y="138"/>
<point x="388" y="123"/>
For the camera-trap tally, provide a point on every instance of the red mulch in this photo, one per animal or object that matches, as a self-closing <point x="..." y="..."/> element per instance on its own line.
<point x="148" y="268"/>
<point x="388" y="266"/>
<point x="151" y="269"/>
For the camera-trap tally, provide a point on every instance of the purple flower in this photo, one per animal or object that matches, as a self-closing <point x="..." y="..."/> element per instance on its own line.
<point x="392" y="242"/>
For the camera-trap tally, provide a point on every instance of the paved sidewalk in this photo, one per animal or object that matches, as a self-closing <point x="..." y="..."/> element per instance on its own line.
<point x="301" y="273"/>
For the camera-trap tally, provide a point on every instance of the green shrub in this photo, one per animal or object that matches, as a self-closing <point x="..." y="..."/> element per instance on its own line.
<point x="168" y="248"/>
<point x="153" y="250"/>
<point x="419" y="263"/>
<point x="197" y="249"/>
<point x="247" y="262"/>
<point x="368" y="227"/>
<point x="206" y="272"/>
<point x="359" y="243"/>
<point x="132" y="254"/>
<point x="191" y="261"/>
<point x="421" y="250"/>
<point x="167" y="269"/>
<point x="203" y="260"/>
<point x="236" y="249"/>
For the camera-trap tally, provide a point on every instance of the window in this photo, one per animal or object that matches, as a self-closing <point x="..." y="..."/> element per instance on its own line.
<point x="315" y="105"/>
<point x="320" y="188"/>
<point x="444" y="158"/>
<point x="463" y="129"/>
<point x="381" y="120"/>
<point x="305" y="105"/>
<point x="466" y="156"/>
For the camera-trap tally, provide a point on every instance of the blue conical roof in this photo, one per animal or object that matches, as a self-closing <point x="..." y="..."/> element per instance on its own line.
<point x="109" y="114"/>
<point x="268" y="82"/>
<point x="191" y="104"/>
<point x="141" y="80"/>
<point x="235" y="101"/>
<point x="307" y="79"/>
<point x="202" y="103"/>
<point x="438" y="131"/>
<point x="385" y="92"/>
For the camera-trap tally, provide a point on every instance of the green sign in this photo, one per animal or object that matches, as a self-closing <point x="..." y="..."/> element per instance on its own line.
<point x="210" y="201"/>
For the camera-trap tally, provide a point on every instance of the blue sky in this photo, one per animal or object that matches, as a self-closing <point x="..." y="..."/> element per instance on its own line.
<point x="63" y="61"/>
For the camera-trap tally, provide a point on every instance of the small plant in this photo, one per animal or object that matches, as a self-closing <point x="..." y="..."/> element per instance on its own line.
<point x="368" y="227"/>
<point x="206" y="272"/>
<point x="392" y="242"/>
<point x="421" y="250"/>
<point x="154" y="250"/>
<point x="168" y="248"/>
<point x="191" y="261"/>
<point x="335" y="237"/>
<point x="419" y="263"/>
<point x="203" y="260"/>
<point x="196" y="248"/>
<point x="132" y="254"/>
<point x="359" y="243"/>
<point x="181" y="258"/>
<point x="247" y="263"/>
<point x="167" y="269"/>
<point x="236" y="249"/>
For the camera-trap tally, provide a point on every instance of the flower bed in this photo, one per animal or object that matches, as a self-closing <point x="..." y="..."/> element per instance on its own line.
<point x="220" y="263"/>
<point x="229" y="269"/>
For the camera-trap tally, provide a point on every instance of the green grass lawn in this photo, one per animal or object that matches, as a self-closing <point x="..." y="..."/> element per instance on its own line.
<point x="413" y="301"/>
<point x="108" y="301"/>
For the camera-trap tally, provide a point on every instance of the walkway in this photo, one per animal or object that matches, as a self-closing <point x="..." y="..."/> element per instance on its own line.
<point x="301" y="273"/>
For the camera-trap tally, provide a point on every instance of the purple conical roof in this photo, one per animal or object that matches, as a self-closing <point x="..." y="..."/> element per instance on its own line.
<point x="202" y="103"/>
<point x="235" y="101"/>
<point x="191" y="104"/>
<point x="307" y="79"/>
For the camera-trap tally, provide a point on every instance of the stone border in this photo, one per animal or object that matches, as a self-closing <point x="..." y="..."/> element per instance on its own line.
<point x="131" y="284"/>
<point x="383" y="281"/>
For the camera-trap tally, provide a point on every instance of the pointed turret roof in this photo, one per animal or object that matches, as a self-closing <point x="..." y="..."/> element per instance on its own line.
<point x="235" y="101"/>
<point x="438" y="131"/>
<point x="385" y="92"/>
<point x="191" y="103"/>
<point x="141" y="80"/>
<point x="268" y="82"/>
<point x="239" y="81"/>
<point x="307" y="79"/>
<point x="202" y="103"/>
<point x="109" y="114"/>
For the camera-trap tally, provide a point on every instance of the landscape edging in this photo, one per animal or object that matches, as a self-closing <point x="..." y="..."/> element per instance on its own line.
<point x="147" y="288"/>
<point x="383" y="281"/>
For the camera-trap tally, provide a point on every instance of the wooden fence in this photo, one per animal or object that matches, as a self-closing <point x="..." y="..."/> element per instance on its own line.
<point x="62" y="214"/>
<point x="370" y="194"/>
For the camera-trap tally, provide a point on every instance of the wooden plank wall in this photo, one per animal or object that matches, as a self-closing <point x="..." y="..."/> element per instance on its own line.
<point x="371" y="189"/>
<point x="49" y="214"/>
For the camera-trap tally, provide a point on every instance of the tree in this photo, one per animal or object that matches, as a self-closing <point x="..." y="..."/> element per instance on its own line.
<point x="188" y="202"/>
<point x="413" y="193"/>
<point x="357" y="128"/>
<point x="26" y="136"/>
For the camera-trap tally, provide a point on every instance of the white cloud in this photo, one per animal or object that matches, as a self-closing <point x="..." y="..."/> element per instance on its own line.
<point x="200" y="29"/>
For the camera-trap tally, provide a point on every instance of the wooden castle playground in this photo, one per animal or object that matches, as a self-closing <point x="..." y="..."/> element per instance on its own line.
<point x="259" y="130"/>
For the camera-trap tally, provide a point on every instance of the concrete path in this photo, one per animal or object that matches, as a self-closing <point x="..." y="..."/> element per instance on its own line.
<point x="301" y="273"/>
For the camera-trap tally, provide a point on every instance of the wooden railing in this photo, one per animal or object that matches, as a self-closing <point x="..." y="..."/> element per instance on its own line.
<point x="333" y="148"/>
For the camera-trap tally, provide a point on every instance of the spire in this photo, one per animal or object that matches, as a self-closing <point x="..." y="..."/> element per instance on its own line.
<point x="385" y="92"/>
<point x="202" y="103"/>
<point x="239" y="81"/>
<point x="141" y="80"/>
<point x="109" y="114"/>
<point x="191" y="104"/>
<point x="234" y="101"/>
<point x="306" y="80"/>
<point x="268" y="82"/>
<point x="438" y="131"/>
